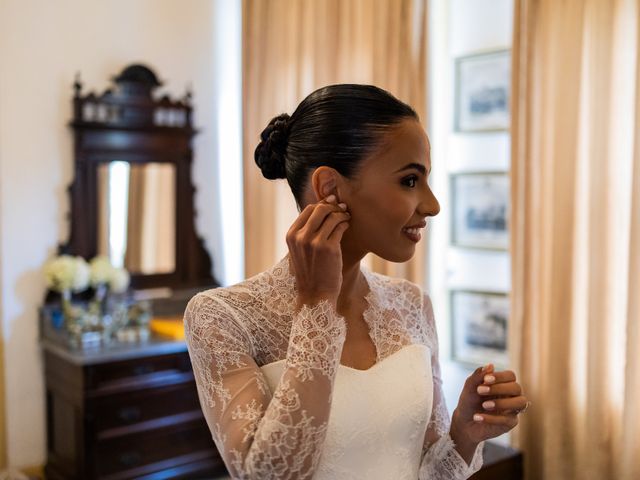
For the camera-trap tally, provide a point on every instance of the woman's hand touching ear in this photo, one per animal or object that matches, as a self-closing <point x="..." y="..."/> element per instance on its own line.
<point x="315" y="252"/>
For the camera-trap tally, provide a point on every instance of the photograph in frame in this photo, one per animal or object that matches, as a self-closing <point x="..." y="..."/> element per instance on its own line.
<point x="483" y="84"/>
<point x="480" y="210"/>
<point x="479" y="326"/>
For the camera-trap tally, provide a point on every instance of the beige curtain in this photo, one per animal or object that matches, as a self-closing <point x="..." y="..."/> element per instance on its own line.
<point x="103" y="209"/>
<point x="135" y="219"/>
<point x="575" y="332"/>
<point x="151" y="219"/>
<point x="292" y="47"/>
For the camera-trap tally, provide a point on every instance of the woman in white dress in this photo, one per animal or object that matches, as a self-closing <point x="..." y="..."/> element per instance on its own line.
<point x="319" y="368"/>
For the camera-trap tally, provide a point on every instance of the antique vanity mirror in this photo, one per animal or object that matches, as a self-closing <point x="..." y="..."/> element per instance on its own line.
<point x="132" y="194"/>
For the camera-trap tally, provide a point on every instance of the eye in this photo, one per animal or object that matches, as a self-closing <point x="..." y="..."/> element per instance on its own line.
<point x="410" y="181"/>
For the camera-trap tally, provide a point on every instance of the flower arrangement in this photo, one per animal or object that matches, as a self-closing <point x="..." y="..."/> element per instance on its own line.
<point x="97" y="321"/>
<point x="66" y="273"/>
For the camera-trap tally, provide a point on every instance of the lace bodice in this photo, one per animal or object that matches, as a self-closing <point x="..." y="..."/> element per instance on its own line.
<point x="378" y="417"/>
<point x="268" y="430"/>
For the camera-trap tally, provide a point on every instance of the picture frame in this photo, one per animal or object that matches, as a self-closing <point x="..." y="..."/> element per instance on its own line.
<point x="482" y="92"/>
<point x="479" y="327"/>
<point x="480" y="210"/>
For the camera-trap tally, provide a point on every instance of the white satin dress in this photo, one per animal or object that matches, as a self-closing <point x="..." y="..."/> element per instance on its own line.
<point x="281" y="406"/>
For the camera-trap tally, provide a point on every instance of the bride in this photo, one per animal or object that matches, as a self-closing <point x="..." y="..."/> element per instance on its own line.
<point x="318" y="367"/>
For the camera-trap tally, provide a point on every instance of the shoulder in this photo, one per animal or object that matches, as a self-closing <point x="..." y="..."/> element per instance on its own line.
<point x="412" y="304"/>
<point x="222" y="307"/>
<point x="399" y="290"/>
<point x="211" y="321"/>
<point x="230" y="299"/>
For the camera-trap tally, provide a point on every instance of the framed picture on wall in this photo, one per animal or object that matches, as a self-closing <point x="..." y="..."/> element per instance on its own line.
<point x="479" y="326"/>
<point x="483" y="85"/>
<point x="480" y="210"/>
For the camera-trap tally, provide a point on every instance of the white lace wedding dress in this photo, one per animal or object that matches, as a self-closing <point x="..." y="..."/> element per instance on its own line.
<point x="280" y="405"/>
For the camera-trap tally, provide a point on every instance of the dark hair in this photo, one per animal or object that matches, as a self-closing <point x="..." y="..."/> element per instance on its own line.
<point x="336" y="126"/>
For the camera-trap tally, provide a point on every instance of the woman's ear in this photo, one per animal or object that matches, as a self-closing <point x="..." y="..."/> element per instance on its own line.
<point x="324" y="182"/>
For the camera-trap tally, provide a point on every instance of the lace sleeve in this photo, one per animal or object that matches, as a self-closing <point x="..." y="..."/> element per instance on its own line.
<point x="441" y="460"/>
<point x="260" y="435"/>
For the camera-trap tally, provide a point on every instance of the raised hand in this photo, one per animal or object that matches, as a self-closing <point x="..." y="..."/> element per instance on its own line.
<point x="488" y="406"/>
<point x="314" y="249"/>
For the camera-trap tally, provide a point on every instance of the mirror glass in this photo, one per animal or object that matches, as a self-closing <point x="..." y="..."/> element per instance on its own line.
<point x="137" y="216"/>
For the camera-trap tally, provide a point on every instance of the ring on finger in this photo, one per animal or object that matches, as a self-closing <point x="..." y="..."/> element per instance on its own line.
<point x="523" y="409"/>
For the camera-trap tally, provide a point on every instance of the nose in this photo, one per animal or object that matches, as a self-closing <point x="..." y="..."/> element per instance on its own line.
<point x="429" y="205"/>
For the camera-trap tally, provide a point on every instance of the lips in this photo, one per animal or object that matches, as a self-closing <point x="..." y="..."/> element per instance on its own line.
<point x="418" y="225"/>
<point x="413" y="231"/>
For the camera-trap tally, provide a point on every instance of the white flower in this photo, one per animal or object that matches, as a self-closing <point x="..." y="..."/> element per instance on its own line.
<point x="119" y="280"/>
<point x="66" y="273"/>
<point x="101" y="270"/>
<point x="82" y="275"/>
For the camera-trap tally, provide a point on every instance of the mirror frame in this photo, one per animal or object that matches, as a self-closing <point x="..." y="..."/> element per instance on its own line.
<point x="128" y="124"/>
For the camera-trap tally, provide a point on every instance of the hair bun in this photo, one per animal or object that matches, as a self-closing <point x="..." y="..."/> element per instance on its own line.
<point x="270" y="152"/>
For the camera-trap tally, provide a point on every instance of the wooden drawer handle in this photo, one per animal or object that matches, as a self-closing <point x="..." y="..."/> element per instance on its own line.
<point x="129" y="414"/>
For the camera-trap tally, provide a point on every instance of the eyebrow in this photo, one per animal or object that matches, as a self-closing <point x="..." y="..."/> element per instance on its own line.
<point x="417" y="166"/>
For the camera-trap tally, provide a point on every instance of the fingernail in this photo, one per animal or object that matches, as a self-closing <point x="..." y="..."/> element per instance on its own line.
<point x="343" y="206"/>
<point x="478" y="418"/>
<point x="483" y="389"/>
<point x="486" y="367"/>
<point x="331" y="198"/>
<point x="488" y="405"/>
<point x="489" y="379"/>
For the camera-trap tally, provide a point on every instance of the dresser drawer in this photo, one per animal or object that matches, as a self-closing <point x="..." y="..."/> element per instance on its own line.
<point x="142" y="409"/>
<point x="117" y="457"/>
<point x="137" y="373"/>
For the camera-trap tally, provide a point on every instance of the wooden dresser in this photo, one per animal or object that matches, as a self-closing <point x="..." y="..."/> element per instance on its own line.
<point x="125" y="412"/>
<point x="500" y="463"/>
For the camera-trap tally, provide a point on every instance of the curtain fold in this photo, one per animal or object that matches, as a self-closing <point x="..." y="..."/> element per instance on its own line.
<point x="102" y="187"/>
<point x="575" y="236"/>
<point x="292" y="47"/>
<point x="135" y="219"/>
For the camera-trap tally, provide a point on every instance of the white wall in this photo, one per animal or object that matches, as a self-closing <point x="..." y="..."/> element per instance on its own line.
<point x="43" y="44"/>
<point x="458" y="28"/>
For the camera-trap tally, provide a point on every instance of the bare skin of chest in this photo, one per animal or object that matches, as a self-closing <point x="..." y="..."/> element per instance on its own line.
<point x="359" y="350"/>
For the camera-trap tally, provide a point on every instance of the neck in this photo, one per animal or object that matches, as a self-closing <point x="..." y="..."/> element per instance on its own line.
<point x="353" y="282"/>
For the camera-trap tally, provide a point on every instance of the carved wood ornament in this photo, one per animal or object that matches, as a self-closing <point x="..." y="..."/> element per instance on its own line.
<point x="127" y="123"/>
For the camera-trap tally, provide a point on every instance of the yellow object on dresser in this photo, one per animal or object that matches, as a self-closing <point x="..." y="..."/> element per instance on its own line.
<point x="171" y="327"/>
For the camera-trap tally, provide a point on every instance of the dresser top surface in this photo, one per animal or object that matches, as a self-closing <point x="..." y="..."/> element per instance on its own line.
<point x="155" y="345"/>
